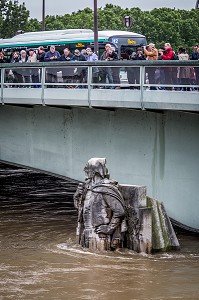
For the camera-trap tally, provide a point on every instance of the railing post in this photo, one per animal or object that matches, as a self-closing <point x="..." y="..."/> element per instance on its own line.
<point x="2" y="83"/>
<point x="142" y="78"/>
<point x="43" y="72"/>
<point x="89" y="85"/>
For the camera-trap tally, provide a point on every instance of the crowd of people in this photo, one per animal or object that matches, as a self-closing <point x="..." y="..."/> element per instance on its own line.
<point x="167" y="75"/>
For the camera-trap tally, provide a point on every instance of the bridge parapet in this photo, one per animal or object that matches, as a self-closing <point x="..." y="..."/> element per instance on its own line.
<point x="157" y="85"/>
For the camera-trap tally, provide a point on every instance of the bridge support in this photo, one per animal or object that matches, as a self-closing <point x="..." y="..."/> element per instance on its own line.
<point x="158" y="150"/>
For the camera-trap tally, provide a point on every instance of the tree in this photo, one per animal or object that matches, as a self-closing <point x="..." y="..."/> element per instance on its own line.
<point x="13" y="17"/>
<point x="179" y="27"/>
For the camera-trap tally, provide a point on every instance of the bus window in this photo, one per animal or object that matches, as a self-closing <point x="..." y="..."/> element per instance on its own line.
<point x="127" y="51"/>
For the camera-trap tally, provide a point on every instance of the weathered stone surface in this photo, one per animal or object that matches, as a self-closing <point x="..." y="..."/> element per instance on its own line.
<point x="139" y="229"/>
<point x="163" y="235"/>
<point x="134" y="193"/>
<point x="145" y="233"/>
<point x="172" y="236"/>
<point x="112" y="216"/>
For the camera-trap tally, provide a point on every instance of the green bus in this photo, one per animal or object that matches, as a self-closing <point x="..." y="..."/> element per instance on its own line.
<point x="74" y="39"/>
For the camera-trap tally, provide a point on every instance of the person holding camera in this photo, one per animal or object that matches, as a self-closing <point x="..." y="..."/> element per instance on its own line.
<point x="151" y="53"/>
<point x="115" y="71"/>
<point x="106" y="72"/>
<point x="170" y="73"/>
<point x="133" y="74"/>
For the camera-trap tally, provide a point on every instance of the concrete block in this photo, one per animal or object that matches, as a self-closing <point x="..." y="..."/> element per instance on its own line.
<point x="133" y="194"/>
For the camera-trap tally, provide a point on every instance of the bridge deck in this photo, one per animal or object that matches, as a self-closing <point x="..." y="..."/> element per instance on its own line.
<point x="140" y="93"/>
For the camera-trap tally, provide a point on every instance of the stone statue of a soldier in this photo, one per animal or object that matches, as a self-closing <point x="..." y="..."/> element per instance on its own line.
<point x="112" y="216"/>
<point x="101" y="209"/>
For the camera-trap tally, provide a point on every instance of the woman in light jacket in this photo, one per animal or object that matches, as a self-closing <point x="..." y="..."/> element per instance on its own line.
<point x="184" y="73"/>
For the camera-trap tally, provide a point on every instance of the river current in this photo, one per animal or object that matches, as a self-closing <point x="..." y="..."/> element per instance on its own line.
<point x="39" y="257"/>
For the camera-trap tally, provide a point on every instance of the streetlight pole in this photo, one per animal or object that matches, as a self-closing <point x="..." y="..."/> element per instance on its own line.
<point x="43" y="15"/>
<point x="95" y="28"/>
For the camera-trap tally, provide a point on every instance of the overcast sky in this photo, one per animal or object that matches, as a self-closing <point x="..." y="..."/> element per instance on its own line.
<point x="61" y="7"/>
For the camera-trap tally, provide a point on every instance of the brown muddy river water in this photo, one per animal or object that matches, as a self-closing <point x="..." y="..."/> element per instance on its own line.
<point x="39" y="258"/>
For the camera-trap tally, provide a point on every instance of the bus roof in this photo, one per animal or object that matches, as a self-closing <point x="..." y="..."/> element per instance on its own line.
<point x="31" y="39"/>
<point x="109" y="33"/>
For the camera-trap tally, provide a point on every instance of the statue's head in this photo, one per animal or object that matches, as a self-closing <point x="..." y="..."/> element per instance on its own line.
<point x="96" y="167"/>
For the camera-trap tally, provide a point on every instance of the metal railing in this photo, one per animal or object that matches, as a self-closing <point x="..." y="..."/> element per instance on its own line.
<point x="136" y="76"/>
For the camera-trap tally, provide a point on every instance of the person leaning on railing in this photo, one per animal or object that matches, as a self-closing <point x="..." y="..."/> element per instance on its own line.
<point x="34" y="72"/>
<point x="95" y="70"/>
<point x="3" y="60"/>
<point x="25" y="72"/>
<point x="184" y="73"/>
<point x="67" y="73"/>
<point x="15" y="76"/>
<point x="81" y="72"/>
<point x="51" y="73"/>
<point x="40" y="54"/>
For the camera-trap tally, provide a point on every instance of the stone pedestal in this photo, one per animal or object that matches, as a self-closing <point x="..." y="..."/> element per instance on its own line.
<point x="138" y="217"/>
<point x="148" y="226"/>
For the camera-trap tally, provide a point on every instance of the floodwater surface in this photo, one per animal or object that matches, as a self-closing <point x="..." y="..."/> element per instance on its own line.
<point x="39" y="258"/>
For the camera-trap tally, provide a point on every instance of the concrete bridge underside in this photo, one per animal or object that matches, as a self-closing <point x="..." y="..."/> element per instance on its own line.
<point x="156" y="149"/>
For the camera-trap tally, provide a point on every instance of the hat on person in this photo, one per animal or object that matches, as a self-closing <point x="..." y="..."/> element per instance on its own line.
<point x="23" y="51"/>
<point x="77" y="51"/>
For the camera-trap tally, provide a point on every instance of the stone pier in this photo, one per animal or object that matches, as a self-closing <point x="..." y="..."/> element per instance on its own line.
<point x="148" y="226"/>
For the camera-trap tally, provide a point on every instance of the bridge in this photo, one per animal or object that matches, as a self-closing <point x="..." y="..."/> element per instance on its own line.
<point x="98" y="95"/>
<point x="147" y="130"/>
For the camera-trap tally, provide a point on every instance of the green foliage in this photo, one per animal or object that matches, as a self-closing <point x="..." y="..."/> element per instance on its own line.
<point x="13" y="17"/>
<point x="34" y="25"/>
<point x="179" y="27"/>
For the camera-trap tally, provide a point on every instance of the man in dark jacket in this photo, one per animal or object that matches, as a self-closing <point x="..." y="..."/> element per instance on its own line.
<point x="18" y="78"/>
<point x="78" y="56"/>
<point x="133" y="73"/>
<point x="67" y="72"/>
<point x="40" y="54"/>
<point x="4" y="60"/>
<point x="81" y="72"/>
<point x="51" y="73"/>
<point x="67" y="55"/>
<point x="195" y="56"/>
<point x="112" y="56"/>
